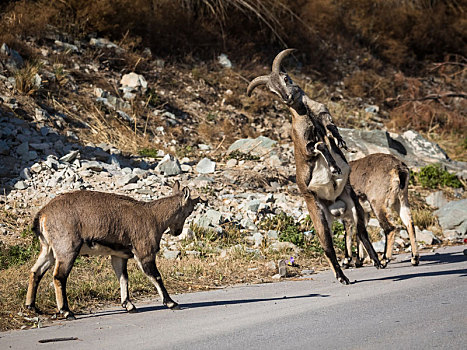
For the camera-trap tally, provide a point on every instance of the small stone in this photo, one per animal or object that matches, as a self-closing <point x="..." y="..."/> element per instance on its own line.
<point x="206" y="166"/>
<point x="134" y="80"/>
<point x="169" y="166"/>
<point x="308" y="272"/>
<point x="23" y="150"/>
<point x="171" y="254"/>
<point x="273" y="234"/>
<point x="25" y="174"/>
<point x="70" y="157"/>
<point x="253" y="205"/>
<point x="271" y="265"/>
<point x="258" y="239"/>
<point x="231" y="163"/>
<point x="36" y="168"/>
<point x="21" y="185"/>
<point x="92" y="165"/>
<point x="127" y="179"/>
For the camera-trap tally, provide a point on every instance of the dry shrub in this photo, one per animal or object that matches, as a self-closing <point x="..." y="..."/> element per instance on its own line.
<point x="369" y="84"/>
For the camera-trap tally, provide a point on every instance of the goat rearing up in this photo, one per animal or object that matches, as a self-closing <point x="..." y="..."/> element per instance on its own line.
<point x="97" y="223"/>
<point x="321" y="168"/>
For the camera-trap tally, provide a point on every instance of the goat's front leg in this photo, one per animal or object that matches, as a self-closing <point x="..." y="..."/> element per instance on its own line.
<point x="148" y="266"/>
<point x="321" y="147"/>
<point x="322" y="225"/>
<point x="120" y="267"/>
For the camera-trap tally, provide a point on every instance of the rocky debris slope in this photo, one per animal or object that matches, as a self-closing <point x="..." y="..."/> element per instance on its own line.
<point x="255" y="179"/>
<point x="48" y="152"/>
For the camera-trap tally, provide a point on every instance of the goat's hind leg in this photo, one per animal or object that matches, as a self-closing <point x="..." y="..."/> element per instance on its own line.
<point x="63" y="266"/>
<point x="43" y="263"/>
<point x="148" y="266"/>
<point x="120" y="267"/>
<point x="359" y="219"/>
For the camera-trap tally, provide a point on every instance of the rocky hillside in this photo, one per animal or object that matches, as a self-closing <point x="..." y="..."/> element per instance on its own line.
<point x="90" y="114"/>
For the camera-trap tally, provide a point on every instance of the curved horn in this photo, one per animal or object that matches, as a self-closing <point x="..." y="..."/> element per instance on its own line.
<point x="276" y="64"/>
<point x="255" y="82"/>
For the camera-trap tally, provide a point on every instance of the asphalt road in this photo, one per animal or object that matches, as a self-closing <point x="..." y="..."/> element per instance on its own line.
<point x="405" y="307"/>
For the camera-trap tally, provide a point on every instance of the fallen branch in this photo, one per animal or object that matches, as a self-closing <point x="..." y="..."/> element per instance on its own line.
<point x="436" y="97"/>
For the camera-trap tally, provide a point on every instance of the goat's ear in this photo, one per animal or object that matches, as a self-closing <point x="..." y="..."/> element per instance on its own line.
<point x="186" y="193"/>
<point x="176" y="187"/>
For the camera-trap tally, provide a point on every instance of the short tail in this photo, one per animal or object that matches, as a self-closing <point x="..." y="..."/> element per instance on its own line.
<point x="36" y="225"/>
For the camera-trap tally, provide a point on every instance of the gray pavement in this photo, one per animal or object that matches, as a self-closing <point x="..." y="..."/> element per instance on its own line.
<point x="406" y="307"/>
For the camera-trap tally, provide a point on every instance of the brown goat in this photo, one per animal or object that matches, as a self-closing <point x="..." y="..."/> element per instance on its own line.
<point x="381" y="182"/>
<point x="97" y="223"/>
<point x="321" y="167"/>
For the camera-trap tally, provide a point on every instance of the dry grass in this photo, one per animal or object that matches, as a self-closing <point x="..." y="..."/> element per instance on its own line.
<point x="92" y="283"/>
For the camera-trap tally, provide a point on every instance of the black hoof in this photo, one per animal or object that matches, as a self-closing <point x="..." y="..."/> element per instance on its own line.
<point x="133" y="311"/>
<point x="34" y="309"/>
<point x="415" y="260"/>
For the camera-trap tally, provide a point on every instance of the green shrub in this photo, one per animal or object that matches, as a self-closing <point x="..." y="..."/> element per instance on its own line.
<point x="434" y="176"/>
<point x="17" y="254"/>
<point x="148" y="152"/>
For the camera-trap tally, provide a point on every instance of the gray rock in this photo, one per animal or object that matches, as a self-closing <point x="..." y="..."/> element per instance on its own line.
<point x="133" y="80"/>
<point x="274" y="234"/>
<point x="41" y="115"/>
<point x="51" y="162"/>
<point x="379" y="246"/>
<point x="171" y="254"/>
<point x="125" y="117"/>
<point x="23" y="150"/>
<point x="373" y="222"/>
<point x="451" y="235"/>
<point x="102" y="42"/>
<point x="36" y="168"/>
<point x="260" y="146"/>
<point x="404" y="234"/>
<point x="169" y="166"/>
<point x="21" y="185"/>
<point x="231" y="163"/>
<point x="92" y="165"/>
<point x="14" y="61"/>
<point x="210" y="218"/>
<point x="453" y="216"/>
<point x="224" y="61"/>
<point x="127" y="179"/>
<point x="253" y="205"/>
<point x="206" y="166"/>
<point x="25" y="174"/>
<point x="436" y="199"/>
<point x="258" y="239"/>
<point x="374" y="109"/>
<point x="426" y="236"/>
<point x="70" y="157"/>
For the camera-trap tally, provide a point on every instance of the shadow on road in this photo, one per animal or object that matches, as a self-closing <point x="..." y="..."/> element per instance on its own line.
<point x="233" y="302"/>
<point x="203" y="304"/>
<point x="462" y="272"/>
<point x="442" y="258"/>
<point x="437" y="258"/>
